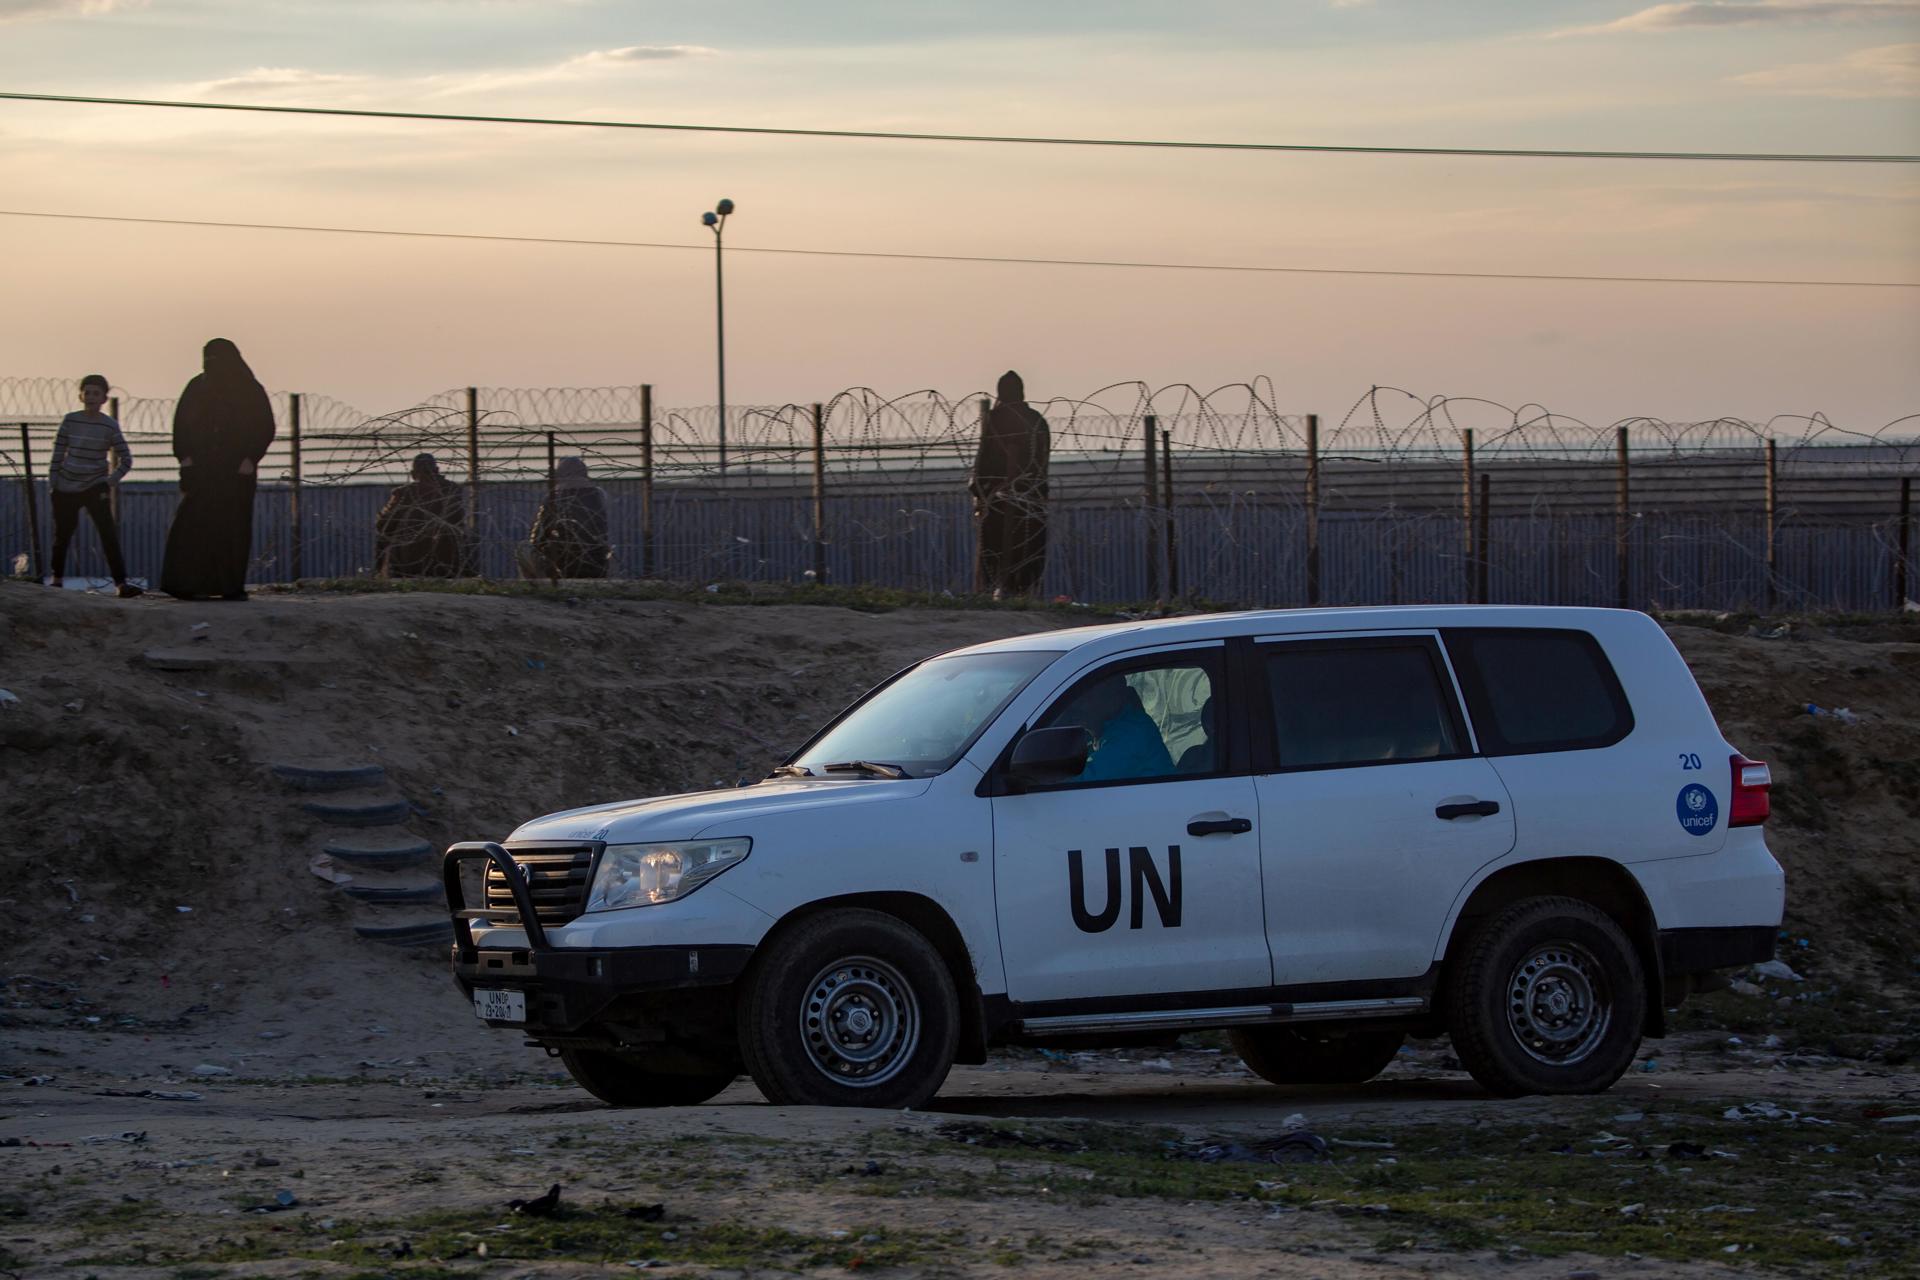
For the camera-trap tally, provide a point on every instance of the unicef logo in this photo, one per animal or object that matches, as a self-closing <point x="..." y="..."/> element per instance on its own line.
<point x="1697" y="810"/>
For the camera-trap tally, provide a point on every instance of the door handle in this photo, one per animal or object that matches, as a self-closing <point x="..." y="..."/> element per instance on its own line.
<point x="1223" y="827"/>
<point x="1474" y="809"/>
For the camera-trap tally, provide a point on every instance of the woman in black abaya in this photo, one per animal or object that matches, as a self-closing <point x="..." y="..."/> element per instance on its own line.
<point x="221" y="430"/>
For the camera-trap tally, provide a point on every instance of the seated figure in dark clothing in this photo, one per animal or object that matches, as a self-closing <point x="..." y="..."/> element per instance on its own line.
<point x="420" y="532"/>
<point x="569" y="535"/>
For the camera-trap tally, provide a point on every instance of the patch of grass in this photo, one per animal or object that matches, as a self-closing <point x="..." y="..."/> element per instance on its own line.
<point x="866" y="599"/>
<point x="602" y="1234"/>
<point x="1549" y="1190"/>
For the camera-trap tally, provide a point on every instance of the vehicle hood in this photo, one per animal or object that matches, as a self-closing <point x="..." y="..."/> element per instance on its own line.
<point x="698" y="813"/>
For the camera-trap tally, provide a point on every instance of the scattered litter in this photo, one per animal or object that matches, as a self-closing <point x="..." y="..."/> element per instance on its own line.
<point x="542" y="1207"/>
<point x="1741" y="987"/>
<point x="1630" y="1117"/>
<point x="212" y="1069"/>
<point x="159" y="1095"/>
<point x="199" y="626"/>
<point x="77" y="705"/>
<point x="536" y="664"/>
<point x="129" y="1137"/>
<point x="281" y="1202"/>
<point x="1156" y="1064"/>
<point x="1777" y="969"/>
<point x="185" y="911"/>
<point x="37" y="1080"/>
<point x="713" y="589"/>
<point x="322" y="866"/>
<point x="1293" y="1121"/>
<point x="1631" y="1210"/>
<point x="272" y="1035"/>
<point x="1359" y="1142"/>
<point x="1842" y="714"/>
<point x="1299" y="1147"/>
<point x="1898" y="1120"/>
<point x="8" y="698"/>
<point x="512" y="732"/>
<point x="1650" y="1065"/>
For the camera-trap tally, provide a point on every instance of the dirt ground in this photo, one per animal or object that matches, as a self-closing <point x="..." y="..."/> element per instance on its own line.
<point x="187" y="936"/>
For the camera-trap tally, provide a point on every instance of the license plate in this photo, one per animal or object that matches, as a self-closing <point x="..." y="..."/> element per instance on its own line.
<point x="501" y="1006"/>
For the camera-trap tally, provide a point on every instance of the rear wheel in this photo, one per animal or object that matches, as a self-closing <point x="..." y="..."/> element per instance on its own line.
<point x="624" y="1080"/>
<point x="851" y="1008"/>
<point x="1549" y="998"/>
<point x="1293" y="1055"/>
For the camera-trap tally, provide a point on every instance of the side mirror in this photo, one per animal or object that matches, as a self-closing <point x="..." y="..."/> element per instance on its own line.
<point x="1045" y="757"/>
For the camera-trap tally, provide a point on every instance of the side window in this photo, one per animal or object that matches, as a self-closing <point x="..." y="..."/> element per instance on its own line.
<point x="1360" y="702"/>
<point x="1538" y="690"/>
<point x="1147" y="720"/>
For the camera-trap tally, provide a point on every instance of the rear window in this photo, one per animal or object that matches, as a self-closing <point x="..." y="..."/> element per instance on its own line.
<point x="1359" y="702"/>
<point x="1538" y="690"/>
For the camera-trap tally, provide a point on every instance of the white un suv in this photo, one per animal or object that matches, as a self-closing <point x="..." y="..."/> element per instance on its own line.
<point x="1323" y="830"/>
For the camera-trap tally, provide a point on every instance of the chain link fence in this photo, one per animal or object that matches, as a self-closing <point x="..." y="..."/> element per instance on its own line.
<point x="1155" y="492"/>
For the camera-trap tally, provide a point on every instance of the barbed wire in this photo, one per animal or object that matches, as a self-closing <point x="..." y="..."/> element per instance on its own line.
<point x="1792" y="509"/>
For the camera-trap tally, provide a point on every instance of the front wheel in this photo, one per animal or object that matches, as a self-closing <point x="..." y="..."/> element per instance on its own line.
<point x="1291" y="1055"/>
<point x="1549" y="998"/>
<point x="624" y="1080"/>
<point x="851" y="1008"/>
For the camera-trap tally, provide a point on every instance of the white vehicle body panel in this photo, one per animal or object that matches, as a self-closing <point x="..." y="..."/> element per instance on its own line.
<point x="1346" y="875"/>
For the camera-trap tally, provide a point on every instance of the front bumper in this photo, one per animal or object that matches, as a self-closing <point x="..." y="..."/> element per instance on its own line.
<point x="568" y="990"/>
<point x="573" y="989"/>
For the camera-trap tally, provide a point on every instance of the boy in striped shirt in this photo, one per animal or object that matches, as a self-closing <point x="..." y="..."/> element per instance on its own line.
<point x="79" y="480"/>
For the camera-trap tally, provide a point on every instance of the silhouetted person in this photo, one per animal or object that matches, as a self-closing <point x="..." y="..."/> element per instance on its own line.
<point x="221" y="430"/>
<point x="81" y="479"/>
<point x="419" y="533"/>
<point x="1009" y="488"/>
<point x="569" y="535"/>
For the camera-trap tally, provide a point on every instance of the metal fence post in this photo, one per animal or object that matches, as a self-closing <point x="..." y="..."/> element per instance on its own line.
<point x="1466" y="505"/>
<point x="1901" y="530"/>
<point x="646" y="479"/>
<point x="819" y="495"/>
<point x="1313" y="509"/>
<point x="1622" y="522"/>
<point x="1166" y="511"/>
<point x="1483" y="566"/>
<point x="113" y="491"/>
<point x="553" y="468"/>
<point x="1152" y="499"/>
<point x="473" y="477"/>
<point x="293" y="495"/>
<point x="33" y="504"/>
<point x="1773" y="527"/>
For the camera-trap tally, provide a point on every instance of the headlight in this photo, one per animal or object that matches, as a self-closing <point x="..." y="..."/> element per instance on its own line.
<point x="639" y="875"/>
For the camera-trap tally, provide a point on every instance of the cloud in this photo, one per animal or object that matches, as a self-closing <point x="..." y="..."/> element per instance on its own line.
<point x="23" y="10"/>
<point x="274" y="79"/>
<point x="643" y="53"/>
<point x="1694" y="14"/>
<point x="1890" y="71"/>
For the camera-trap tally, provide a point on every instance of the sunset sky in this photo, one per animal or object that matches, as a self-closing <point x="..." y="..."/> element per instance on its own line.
<point x="380" y="322"/>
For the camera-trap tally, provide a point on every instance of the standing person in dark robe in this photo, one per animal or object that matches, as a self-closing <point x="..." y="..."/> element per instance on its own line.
<point x="569" y="535"/>
<point x="419" y="532"/>
<point x="221" y="429"/>
<point x="1009" y="488"/>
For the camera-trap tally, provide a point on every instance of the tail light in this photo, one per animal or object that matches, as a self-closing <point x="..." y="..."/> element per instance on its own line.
<point x="1751" y="782"/>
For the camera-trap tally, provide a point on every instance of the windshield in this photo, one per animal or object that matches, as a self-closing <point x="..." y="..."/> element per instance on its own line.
<point x="925" y="719"/>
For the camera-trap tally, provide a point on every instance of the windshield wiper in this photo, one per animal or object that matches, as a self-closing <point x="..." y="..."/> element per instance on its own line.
<point x="874" y="767"/>
<point x="791" y="771"/>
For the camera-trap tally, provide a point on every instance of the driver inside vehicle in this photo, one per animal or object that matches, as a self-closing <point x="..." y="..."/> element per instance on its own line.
<point x="1126" y="741"/>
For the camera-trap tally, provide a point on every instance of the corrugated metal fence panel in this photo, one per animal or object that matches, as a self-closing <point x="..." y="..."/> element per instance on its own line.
<point x="1231" y="548"/>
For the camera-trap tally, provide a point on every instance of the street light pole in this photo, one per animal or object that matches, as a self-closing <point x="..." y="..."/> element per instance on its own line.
<point x="716" y="219"/>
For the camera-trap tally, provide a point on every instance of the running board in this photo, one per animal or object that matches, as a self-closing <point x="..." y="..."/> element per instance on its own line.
<point x="1236" y="1016"/>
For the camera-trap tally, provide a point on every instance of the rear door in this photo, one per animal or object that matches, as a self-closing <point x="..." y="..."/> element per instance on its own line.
<point x="1375" y="808"/>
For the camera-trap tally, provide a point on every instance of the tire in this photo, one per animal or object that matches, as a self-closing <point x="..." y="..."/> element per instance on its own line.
<point x="624" y="1081"/>
<point x="1550" y="997"/>
<point x="1293" y="1055"/>
<point x="852" y="1008"/>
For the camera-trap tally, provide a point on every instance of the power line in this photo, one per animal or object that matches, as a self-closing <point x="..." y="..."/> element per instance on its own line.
<point x="1162" y="144"/>
<point x="971" y="258"/>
